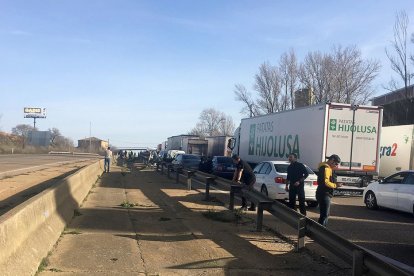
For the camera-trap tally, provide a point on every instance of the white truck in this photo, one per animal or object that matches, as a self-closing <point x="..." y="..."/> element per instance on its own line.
<point x="314" y="132"/>
<point x="397" y="149"/>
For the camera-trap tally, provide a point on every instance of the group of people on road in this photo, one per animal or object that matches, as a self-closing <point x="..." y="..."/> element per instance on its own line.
<point x="295" y="183"/>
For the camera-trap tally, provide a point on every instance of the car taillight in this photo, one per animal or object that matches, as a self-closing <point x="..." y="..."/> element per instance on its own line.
<point x="315" y="183"/>
<point x="279" y="179"/>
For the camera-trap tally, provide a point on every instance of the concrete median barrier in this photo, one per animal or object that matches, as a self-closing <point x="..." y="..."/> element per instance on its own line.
<point x="29" y="231"/>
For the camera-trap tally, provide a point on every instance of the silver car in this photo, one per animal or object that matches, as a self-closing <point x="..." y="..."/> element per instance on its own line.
<point x="271" y="177"/>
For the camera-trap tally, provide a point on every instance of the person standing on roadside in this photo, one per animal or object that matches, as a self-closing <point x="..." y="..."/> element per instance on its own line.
<point x="326" y="185"/>
<point x="108" y="157"/>
<point x="295" y="183"/>
<point x="244" y="174"/>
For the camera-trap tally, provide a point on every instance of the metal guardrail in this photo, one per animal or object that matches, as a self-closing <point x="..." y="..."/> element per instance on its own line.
<point x="362" y="260"/>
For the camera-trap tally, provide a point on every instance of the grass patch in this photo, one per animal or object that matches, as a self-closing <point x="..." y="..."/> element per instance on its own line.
<point x="77" y="213"/>
<point x="43" y="264"/>
<point x="223" y="216"/>
<point x="55" y="270"/>
<point x="73" y="232"/>
<point x="127" y="204"/>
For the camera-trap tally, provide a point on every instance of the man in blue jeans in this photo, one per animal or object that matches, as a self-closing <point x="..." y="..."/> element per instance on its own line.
<point x="326" y="185"/>
<point x="108" y="157"/>
<point x="295" y="183"/>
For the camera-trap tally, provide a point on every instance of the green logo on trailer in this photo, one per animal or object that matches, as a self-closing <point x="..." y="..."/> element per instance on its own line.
<point x="252" y="137"/>
<point x="332" y="124"/>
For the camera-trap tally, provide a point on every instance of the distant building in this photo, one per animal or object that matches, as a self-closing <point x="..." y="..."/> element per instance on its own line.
<point x="303" y="97"/>
<point x="92" y="144"/>
<point x="398" y="106"/>
<point x="39" y="138"/>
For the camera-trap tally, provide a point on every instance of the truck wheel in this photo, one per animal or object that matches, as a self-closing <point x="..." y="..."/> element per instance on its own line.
<point x="371" y="201"/>
<point x="263" y="190"/>
<point x="312" y="204"/>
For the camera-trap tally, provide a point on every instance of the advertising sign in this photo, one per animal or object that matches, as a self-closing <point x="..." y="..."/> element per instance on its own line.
<point x="34" y="112"/>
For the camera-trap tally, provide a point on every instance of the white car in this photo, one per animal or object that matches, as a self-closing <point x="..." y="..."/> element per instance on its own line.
<point x="271" y="177"/>
<point x="394" y="192"/>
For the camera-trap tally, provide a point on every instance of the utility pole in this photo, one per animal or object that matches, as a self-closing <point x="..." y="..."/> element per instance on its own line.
<point x="90" y="136"/>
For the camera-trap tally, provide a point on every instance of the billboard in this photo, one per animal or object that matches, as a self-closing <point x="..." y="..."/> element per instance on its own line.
<point x="34" y="112"/>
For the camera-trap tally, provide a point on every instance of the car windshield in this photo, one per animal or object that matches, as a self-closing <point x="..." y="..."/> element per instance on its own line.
<point x="282" y="168"/>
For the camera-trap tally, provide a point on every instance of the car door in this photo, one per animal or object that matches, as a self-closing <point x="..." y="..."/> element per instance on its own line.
<point x="264" y="173"/>
<point x="259" y="177"/>
<point x="387" y="194"/>
<point x="406" y="194"/>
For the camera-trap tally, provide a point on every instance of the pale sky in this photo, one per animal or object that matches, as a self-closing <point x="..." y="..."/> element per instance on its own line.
<point x="141" y="71"/>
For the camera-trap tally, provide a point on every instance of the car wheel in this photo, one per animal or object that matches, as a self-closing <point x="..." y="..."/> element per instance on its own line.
<point x="371" y="201"/>
<point x="263" y="190"/>
<point x="312" y="204"/>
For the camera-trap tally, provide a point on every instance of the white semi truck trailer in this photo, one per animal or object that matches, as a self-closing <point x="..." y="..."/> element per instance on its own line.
<point x="397" y="149"/>
<point x="314" y="132"/>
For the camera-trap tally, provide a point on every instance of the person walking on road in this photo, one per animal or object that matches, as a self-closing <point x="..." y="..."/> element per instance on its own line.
<point x="326" y="185"/>
<point x="108" y="157"/>
<point x="295" y="183"/>
<point x="244" y="174"/>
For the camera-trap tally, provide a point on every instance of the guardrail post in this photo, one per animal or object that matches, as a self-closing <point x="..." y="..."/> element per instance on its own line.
<point x="233" y="189"/>
<point x="177" y="177"/>
<point x="189" y="175"/>
<point x="259" y="219"/>
<point x="162" y="168"/>
<point x="158" y="166"/>
<point x="301" y="233"/>
<point x="169" y="167"/>
<point x="357" y="263"/>
<point x="209" y="180"/>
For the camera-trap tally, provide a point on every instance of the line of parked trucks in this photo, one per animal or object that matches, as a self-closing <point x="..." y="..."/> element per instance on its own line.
<point x="355" y="133"/>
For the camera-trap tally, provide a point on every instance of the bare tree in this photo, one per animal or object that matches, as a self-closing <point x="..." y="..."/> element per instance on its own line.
<point x="288" y="67"/>
<point x="213" y="122"/>
<point x="268" y="85"/>
<point x="314" y="74"/>
<point x="342" y="76"/>
<point x="400" y="112"/>
<point x="22" y="130"/>
<point x="55" y="133"/>
<point x="353" y="75"/>
<point x="398" y="55"/>
<point x="227" y="126"/>
<point x="250" y="108"/>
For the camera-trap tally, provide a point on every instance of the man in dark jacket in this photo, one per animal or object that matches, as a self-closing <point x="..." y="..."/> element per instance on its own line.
<point x="326" y="185"/>
<point x="244" y="174"/>
<point x="295" y="183"/>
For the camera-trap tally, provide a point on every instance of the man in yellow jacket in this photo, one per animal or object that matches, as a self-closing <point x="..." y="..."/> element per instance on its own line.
<point x="326" y="185"/>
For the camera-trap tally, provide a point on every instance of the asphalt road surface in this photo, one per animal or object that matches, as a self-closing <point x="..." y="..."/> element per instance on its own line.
<point x="388" y="232"/>
<point x="10" y="162"/>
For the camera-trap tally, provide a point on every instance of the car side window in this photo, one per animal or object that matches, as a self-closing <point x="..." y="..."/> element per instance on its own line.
<point x="257" y="168"/>
<point x="395" y="179"/>
<point x="409" y="179"/>
<point x="264" y="168"/>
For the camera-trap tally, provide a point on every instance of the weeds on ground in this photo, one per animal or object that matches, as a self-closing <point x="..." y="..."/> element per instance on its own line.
<point x="77" y="213"/>
<point x="44" y="263"/>
<point x="127" y="204"/>
<point x="222" y="216"/>
<point x="73" y="232"/>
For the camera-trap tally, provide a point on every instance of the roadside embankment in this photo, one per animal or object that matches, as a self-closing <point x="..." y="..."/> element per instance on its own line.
<point x="29" y="231"/>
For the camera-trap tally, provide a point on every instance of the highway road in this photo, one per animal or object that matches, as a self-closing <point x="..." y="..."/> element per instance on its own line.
<point x="9" y="162"/>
